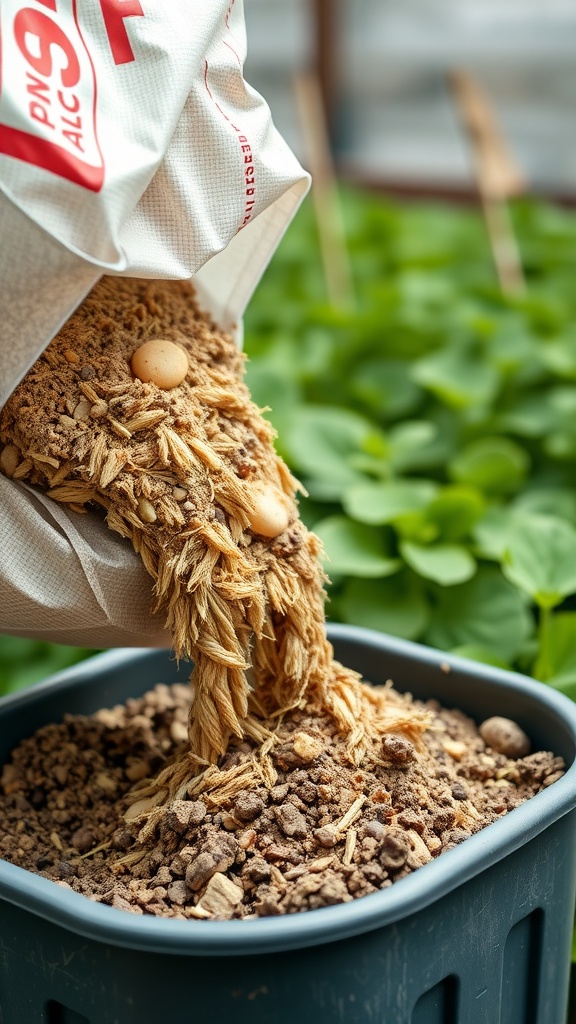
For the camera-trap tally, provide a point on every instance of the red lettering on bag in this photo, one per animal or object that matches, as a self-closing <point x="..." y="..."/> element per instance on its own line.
<point x="74" y="100"/>
<point x="29" y="22"/>
<point x="114" y="12"/>
<point x="37" y="88"/>
<point x="49" y="118"/>
<point x="245" y="148"/>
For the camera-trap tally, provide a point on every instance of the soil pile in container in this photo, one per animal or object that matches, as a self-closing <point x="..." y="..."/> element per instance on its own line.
<point x="293" y="783"/>
<point x="320" y="831"/>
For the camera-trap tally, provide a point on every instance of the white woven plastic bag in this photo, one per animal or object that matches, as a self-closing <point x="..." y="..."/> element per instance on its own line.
<point x="129" y="144"/>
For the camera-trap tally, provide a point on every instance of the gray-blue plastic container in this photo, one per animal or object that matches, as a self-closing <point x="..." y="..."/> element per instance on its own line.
<point x="479" y="936"/>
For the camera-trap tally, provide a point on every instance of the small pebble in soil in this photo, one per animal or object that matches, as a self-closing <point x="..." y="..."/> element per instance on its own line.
<point x="397" y="749"/>
<point x="505" y="736"/>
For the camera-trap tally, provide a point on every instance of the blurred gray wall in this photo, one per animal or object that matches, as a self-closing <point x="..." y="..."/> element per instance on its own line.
<point x="396" y="119"/>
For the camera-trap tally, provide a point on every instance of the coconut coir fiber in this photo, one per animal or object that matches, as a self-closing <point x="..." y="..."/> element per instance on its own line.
<point x="185" y="473"/>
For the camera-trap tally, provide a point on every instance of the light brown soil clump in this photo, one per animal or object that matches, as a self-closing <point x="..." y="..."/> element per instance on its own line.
<point x="319" y="832"/>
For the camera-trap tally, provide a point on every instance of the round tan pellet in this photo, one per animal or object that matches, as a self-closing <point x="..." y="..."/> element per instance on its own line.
<point x="270" y="517"/>
<point x="505" y="736"/>
<point x="160" y="362"/>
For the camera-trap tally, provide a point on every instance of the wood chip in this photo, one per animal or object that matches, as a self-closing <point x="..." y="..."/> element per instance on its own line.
<point x="350" y="846"/>
<point x="198" y="912"/>
<point x="119" y="428"/>
<point x="144" y="805"/>
<point x="55" y="838"/>
<point x="44" y="459"/>
<point x="137" y="770"/>
<point x="82" y="410"/>
<point x="419" y="847"/>
<point x="114" y="464"/>
<point x="88" y="391"/>
<point x="22" y="471"/>
<point x="277" y="878"/>
<point x="68" y="421"/>
<point x="350" y="815"/>
<point x="106" y="782"/>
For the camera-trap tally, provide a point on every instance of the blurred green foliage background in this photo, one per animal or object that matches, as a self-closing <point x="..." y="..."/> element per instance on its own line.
<point x="24" y="661"/>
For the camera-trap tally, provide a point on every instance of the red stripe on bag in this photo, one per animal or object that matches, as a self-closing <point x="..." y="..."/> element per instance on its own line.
<point x="49" y="117"/>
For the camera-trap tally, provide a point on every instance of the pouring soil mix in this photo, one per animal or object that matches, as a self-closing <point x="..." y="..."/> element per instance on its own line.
<point x="278" y="781"/>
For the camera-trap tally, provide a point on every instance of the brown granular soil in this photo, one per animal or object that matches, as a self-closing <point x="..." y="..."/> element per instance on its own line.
<point x="317" y="831"/>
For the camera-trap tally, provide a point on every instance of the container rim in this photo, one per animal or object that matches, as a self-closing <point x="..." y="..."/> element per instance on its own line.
<point x="46" y="899"/>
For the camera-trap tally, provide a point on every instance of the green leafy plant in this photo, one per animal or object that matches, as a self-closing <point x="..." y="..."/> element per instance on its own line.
<point x="433" y="426"/>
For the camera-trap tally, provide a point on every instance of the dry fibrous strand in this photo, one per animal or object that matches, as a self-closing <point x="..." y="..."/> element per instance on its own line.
<point x="187" y="471"/>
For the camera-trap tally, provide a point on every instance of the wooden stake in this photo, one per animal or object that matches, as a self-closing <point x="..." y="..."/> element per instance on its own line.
<point x="329" y="220"/>
<point x="497" y="175"/>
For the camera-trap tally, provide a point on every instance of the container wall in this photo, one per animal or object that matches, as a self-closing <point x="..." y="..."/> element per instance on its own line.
<point x="493" y="950"/>
<point x="496" y="949"/>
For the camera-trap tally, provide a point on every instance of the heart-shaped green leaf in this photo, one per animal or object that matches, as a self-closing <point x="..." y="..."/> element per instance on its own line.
<point x="557" y="663"/>
<point x="354" y="549"/>
<point x="492" y="531"/>
<point x="548" y="501"/>
<point x="397" y="606"/>
<point x="322" y="440"/>
<point x="386" y="387"/>
<point x="458" y="377"/>
<point x="541" y="558"/>
<point x="447" y="564"/>
<point x="487" y="611"/>
<point x="407" y="440"/>
<point x="385" y="502"/>
<point x="493" y="464"/>
<point x="455" y="510"/>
